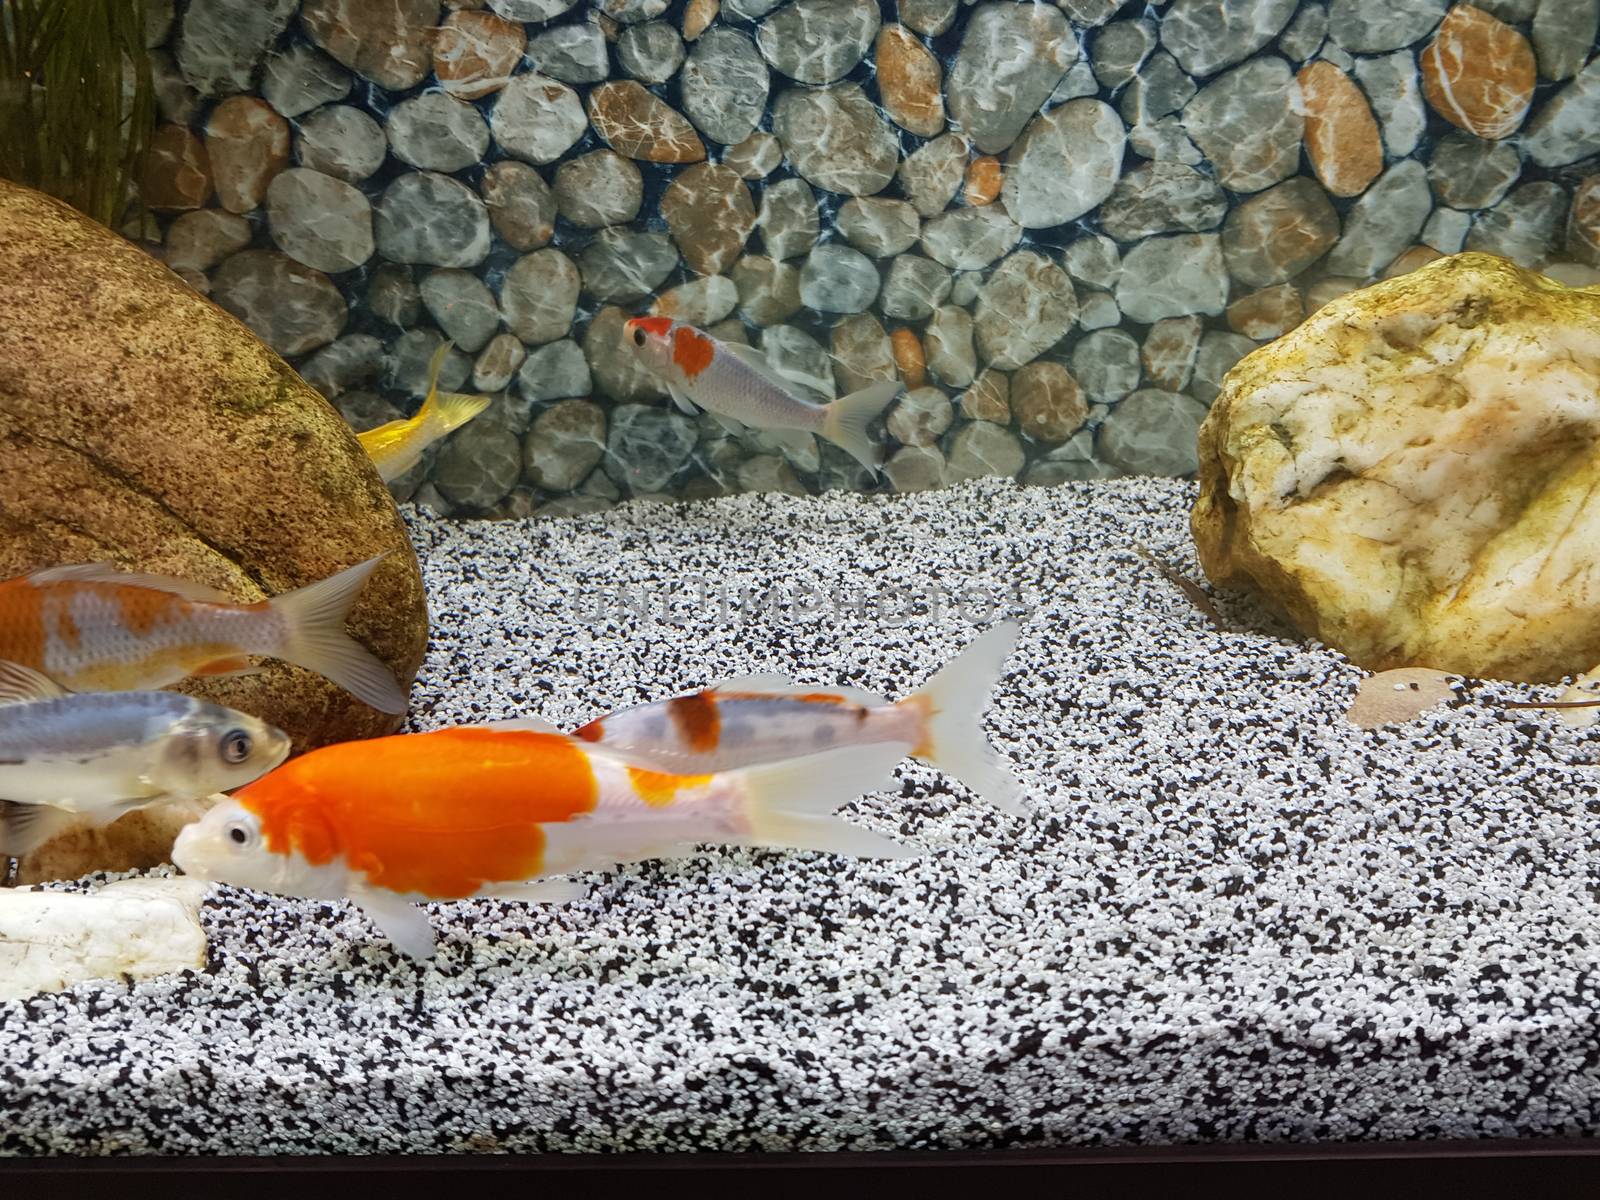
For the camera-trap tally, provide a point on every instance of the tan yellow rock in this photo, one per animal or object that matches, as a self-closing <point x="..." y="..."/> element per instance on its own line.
<point x="143" y="425"/>
<point x="1412" y="475"/>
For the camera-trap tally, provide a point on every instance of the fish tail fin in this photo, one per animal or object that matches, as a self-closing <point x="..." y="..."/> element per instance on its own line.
<point x="952" y="705"/>
<point x="26" y="827"/>
<point x="845" y="420"/>
<point x="789" y="803"/>
<point x="315" y="638"/>
<point x="443" y="412"/>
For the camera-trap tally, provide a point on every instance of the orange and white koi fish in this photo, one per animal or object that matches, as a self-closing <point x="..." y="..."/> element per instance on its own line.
<point x="396" y="447"/>
<point x="94" y="628"/>
<point x="767" y="718"/>
<point x="739" y="387"/>
<point x="490" y="810"/>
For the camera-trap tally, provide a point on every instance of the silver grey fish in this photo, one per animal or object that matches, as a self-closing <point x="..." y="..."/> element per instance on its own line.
<point x="98" y="755"/>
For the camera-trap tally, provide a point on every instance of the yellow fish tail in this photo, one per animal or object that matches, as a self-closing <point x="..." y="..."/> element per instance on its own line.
<point x="397" y="447"/>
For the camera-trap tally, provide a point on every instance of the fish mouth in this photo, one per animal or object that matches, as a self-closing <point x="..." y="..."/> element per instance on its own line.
<point x="186" y="854"/>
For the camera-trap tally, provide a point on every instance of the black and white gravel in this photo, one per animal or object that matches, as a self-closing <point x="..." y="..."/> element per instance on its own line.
<point x="1231" y="915"/>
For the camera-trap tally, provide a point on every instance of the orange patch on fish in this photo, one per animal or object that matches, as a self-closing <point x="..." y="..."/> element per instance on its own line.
<point x="224" y="666"/>
<point x="431" y="814"/>
<point x="592" y="732"/>
<point x="144" y="608"/>
<point x="654" y="326"/>
<point x="659" y="789"/>
<point x="22" y="629"/>
<point x="692" y="351"/>
<point x="697" y="720"/>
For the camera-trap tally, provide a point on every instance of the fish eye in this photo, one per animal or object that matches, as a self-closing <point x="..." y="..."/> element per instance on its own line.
<point x="638" y="336"/>
<point x="236" y="746"/>
<point x="240" y="833"/>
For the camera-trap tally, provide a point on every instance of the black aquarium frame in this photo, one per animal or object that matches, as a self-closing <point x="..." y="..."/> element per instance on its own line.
<point x="1539" y="1168"/>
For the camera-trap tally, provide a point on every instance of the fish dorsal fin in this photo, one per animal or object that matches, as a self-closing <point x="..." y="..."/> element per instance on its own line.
<point x="780" y="377"/>
<point x="769" y="681"/>
<point x="106" y="572"/>
<point x="435" y="365"/>
<point x="23" y="685"/>
<point x="522" y="725"/>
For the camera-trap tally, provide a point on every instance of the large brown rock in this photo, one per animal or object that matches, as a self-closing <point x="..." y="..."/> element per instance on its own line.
<point x="1413" y="474"/>
<point x="142" y="424"/>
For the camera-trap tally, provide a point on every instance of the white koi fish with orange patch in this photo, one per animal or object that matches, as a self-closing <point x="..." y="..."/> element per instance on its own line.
<point x="94" y="628"/>
<point x="489" y="810"/>
<point x="396" y="447"/>
<point x="739" y="387"/>
<point x="766" y="718"/>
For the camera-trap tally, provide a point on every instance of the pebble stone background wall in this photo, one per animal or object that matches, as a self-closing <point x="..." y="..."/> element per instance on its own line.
<point x="1060" y="225"/>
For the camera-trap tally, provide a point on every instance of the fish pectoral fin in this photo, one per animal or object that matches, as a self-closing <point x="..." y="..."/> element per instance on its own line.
<point x="539" y="891"/>
<point x="24" y="685"/>
<point x="728" y="423"/>
<point x="106" y="572"/>
<point x="524" y="724"/>
<point x="26" y="827"/>
<point x="683" y="402"/>
<point x="405" y="925"/>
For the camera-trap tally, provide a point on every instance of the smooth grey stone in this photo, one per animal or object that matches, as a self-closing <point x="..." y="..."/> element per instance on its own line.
<point x="968" y="239"/>
<point x="725" y="85"/>
<point x="1383" y="222"/>
<point x="1093" y="260"/>
<point x="566" y="442"/>
<point x="1394" y="89"/>
<point x="647" y="446"/>
<point x="819" y="41"/>
<point x="428" y="218"/>
<point x="914" y="287"/>
<point x="570" y="53"/>
<point x="1216" y="357"/>
<point x="837" y="138"/>
<point x="1568" y="127"/>
<point x="222" y="42"/>
<point x="838" y="279"/>
<point x="1362" y="27"/>
<point x="301" y="78"/>
<point x="1065" y="163"/>
<point x="1249" y="123"/>
<point x="319" y="220"/>
<point x="437" y="132"/>
<point x="878" y="226"/>
<point x="1205" y="37"/>
<point x="624" y="264"/>
<point x="650" y="53"/>
<point x="981" y="448"/>
<point x="1162" y="197"/>
<point x="555" y="372"/>
<point x="1010" y="59"/>
<point x="1468" y="172"/>
<point x="788" y="219"/>
<point x="598" y="189"/>
<point x="462" y="305"/>
<point x="1525" y="227"/>
<point x="1173" y="276"/>
<point x="539" y="296"/>
<point x="341" y="141"/>
<point x="1153" y="432"/>
<point x="1106" y="365"/>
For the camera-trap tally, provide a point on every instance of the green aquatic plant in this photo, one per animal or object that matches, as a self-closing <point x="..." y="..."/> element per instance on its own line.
<point x="77" y="105"/>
